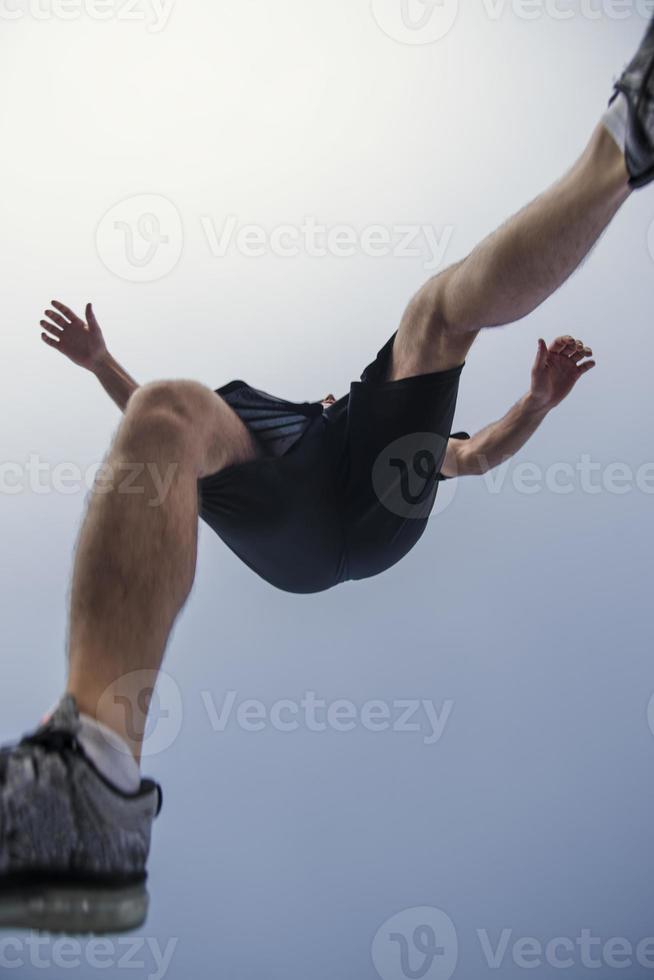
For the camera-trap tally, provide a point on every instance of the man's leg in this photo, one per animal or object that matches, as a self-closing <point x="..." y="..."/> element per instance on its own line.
<point x="514" y="270"/>
<point x="75" y="815"/>
<point x="136" y="556"/>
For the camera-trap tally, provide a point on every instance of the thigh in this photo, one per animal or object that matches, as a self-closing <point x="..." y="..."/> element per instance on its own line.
<point x="212" y="431"/>
<point x="424" y="344"/>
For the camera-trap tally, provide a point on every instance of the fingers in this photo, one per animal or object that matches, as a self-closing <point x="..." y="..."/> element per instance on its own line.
<point x="90" y="317"/>
<point x="562" y="344"/>
<point x="50" y="341"/>
<point x="67" y="312"/>
<point x="586" y="367"/>
<point x="56" y="318"/>
<point x="51" y="328"/>
<point x="567" y="346"/>
<point x="541" y="357"/>
<point x="580" y="353"/>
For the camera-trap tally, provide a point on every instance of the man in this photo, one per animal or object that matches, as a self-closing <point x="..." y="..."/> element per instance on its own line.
<point x="309" y="495"/>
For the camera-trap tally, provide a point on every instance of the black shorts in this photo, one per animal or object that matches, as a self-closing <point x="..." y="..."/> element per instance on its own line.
<point x="339" y="493"/>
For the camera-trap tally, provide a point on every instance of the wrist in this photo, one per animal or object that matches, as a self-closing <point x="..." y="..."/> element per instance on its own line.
<point x="101" y="361"/>
<point x="535" y="404"/>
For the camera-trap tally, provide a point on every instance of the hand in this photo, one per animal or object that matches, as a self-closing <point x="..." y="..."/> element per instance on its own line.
<point x="557" y="370"/>
<point x="82" y="342"/>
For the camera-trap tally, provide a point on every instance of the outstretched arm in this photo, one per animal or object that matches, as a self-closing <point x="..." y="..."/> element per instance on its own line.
<point x="83" y="343"/>
<point x="554" y="375"/>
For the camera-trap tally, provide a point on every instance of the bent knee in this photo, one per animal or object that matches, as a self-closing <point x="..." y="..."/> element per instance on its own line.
<point x="429" y="339"/>
<point x="184" y="399"/>
<point x="166" y="414"/>
<point x="430" y="311"/>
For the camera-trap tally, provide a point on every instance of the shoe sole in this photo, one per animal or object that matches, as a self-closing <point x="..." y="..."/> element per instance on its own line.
<point x="74" y="909"/>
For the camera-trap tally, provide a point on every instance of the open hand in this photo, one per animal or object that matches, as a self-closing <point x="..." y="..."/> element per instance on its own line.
<point x="80" y="341"/>
<point x="557" y="370"/>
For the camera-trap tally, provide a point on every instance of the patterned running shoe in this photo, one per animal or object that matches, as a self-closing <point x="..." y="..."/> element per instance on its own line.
<point x="73" y="847"/>
<point x="637" y="84"/>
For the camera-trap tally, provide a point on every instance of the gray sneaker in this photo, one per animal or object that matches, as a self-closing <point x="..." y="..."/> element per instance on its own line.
<point x="73" y="847"/>
<point x="637" y="85"/>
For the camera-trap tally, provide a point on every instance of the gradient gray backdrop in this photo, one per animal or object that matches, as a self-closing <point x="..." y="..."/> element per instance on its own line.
<point x="280" y="855"/>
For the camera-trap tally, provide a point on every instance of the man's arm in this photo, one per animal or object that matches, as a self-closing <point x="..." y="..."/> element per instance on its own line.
<point x="83" y="343"/>
<point x="115" y="380"/>
<point x="554" y="375"/>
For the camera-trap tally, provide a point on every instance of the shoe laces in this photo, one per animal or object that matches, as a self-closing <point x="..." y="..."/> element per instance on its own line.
<point x="52" y="740"/>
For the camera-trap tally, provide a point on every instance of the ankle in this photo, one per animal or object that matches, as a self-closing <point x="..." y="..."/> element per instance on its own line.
<point x="110" y="754"/>
<point x="113" y="712"/>
<point x="607" y="160"/>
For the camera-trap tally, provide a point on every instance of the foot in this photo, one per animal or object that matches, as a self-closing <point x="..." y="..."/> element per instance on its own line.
<point x="637" y="84"/>
<point x="73" y="848"/>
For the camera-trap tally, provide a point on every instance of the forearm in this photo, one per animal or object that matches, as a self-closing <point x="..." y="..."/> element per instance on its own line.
<point x="115" y="380"/>
<point x="501" y="440"/>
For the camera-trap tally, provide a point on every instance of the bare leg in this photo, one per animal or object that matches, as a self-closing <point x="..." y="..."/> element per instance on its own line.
<point x="514" y="270"/>
<point x="136" y="556"/>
